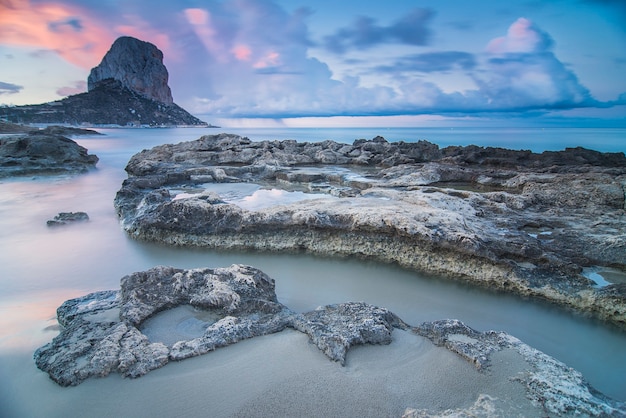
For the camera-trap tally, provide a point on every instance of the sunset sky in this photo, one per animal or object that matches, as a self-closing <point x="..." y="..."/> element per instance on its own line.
<point x="299" y="62"/>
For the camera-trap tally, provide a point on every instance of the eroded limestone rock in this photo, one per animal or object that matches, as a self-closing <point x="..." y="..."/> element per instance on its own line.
<point x="510" y="220"/>
<point x="101" y="333"/>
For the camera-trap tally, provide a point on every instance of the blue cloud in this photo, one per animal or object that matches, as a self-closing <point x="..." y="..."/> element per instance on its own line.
<point x="431" y="62"/>
<point x="73" y="23"/>
<point x="8" y="88"/>
<point x="411" y="29"/>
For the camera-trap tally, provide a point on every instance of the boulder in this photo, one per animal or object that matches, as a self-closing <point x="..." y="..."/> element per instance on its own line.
<point x="42" y="153"/>
<point x="64" y="218"/>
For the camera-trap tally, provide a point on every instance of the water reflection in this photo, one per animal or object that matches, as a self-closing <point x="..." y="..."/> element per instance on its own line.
<point x="249" y="196"/>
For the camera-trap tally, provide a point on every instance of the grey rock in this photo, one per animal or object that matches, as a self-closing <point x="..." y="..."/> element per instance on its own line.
<point x="511" y="220"/>
<point x="102" y="333"/>
<point x="336" y="328"/>
<point x="550" y="384"/>
<point x="41" y="153"/>
<point x="137" y="65"/>
<point x="64" y="218"/>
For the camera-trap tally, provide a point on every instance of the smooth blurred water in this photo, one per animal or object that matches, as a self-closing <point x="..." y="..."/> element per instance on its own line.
<point x="40" y="267"/>
<point x="534" y="139"/>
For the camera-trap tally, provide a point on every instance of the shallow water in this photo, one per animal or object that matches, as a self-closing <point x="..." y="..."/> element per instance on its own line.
<point x="41" y="267"/>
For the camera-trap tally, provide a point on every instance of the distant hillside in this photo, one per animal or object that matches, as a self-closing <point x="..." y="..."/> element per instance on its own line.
<point x="128" y="88"/>
<point x="109" y="103"/>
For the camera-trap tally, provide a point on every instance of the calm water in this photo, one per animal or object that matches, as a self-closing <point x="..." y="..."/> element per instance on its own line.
<point x="40" y="267"/>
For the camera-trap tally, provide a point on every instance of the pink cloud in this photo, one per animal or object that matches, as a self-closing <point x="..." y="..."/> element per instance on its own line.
<point x="522" y="37"/>
<point x="242" y="52"/>
<point x="78" y="87"/>
<point x="202" y="25"/>
<point x="77" y="34"/>
<point x="271" y="59"/>
<point x="197" y="17"/>
<point x="68" y="30"/>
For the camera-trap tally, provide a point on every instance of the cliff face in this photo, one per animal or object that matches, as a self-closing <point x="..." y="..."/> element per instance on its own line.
<point x="138" y="66"/>
<point x="128" y="88"/>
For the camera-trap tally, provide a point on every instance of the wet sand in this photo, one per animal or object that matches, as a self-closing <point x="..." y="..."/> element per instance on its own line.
<point x="280" y="375"/>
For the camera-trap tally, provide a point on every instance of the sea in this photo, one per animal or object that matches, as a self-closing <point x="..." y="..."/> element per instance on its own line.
<point x="41" y="266"/>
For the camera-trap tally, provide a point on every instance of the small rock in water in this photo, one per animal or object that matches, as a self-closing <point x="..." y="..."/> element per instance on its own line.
<point x="63" y="218"/>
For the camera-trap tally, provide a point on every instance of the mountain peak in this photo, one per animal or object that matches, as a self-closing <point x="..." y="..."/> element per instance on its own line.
<point x="138" y="66"/>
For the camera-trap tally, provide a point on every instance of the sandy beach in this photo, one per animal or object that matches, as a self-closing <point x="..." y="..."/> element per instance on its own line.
<point x="282" y="375"/>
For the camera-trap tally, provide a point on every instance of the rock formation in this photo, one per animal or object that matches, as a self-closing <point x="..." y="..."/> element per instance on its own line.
<point x="128" y="88"/>
<point x="41" y="152"/>
<point x="509" y="220"/>
<point x="64" y="218"/>
<point x="102" y="333"/>
<point x="138" y="66"/>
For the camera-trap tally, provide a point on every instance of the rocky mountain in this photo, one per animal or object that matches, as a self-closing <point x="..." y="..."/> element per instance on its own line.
<point x="138" y="66"/>
<point x="128" y="88"/>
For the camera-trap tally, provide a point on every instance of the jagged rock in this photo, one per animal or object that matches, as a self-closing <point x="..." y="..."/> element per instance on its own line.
<point x="41" y="153"/>
<point x="128" y="88"/>
<point x="63" y="218"/>
<point x="138" y="66"/>
<point x="549" y="383"/>
<point x="356" y="323"/>
<point x="510" y="220"/>
<point x="102" y="333"/>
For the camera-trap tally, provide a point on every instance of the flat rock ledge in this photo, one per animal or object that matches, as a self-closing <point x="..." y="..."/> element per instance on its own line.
<point x="538" y="225"/>
<point x="45" y="151"/>
<point x="102" y="333"/>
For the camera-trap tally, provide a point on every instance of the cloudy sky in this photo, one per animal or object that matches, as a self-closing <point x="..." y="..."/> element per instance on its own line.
<point x="400" y="62"/>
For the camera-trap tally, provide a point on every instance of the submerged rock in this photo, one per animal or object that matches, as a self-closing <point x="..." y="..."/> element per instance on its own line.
<point x="101" y="333"/>
<point x="509" y="220"/>
<point x="64" y="218"/>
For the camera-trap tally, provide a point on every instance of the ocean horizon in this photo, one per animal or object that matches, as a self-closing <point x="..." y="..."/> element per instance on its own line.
<point x="533" y="139"/>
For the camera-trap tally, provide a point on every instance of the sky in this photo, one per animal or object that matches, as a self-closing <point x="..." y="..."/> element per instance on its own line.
<point x="339" y="63"/>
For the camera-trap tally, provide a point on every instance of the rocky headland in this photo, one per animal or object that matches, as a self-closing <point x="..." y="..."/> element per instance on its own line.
<point x="538" y="225"/>
<point x="45" y="151"/>
<point x="128" y="88"/>
<point x="118" y="331"/>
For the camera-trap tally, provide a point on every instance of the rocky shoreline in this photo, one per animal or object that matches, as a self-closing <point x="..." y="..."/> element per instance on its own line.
<point x="531" y="224"/>
<point x="103" y="333"/>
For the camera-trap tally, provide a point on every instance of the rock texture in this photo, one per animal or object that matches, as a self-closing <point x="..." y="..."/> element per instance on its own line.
<point x="138" y="66"/>
<point x="558" y="389"/>
<point x="128" y="88"/>
<point x="41" y="152"/>
<point x="101" y="333"/>
<point x="64" y="218"/>
<point x="508" y="220"/>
